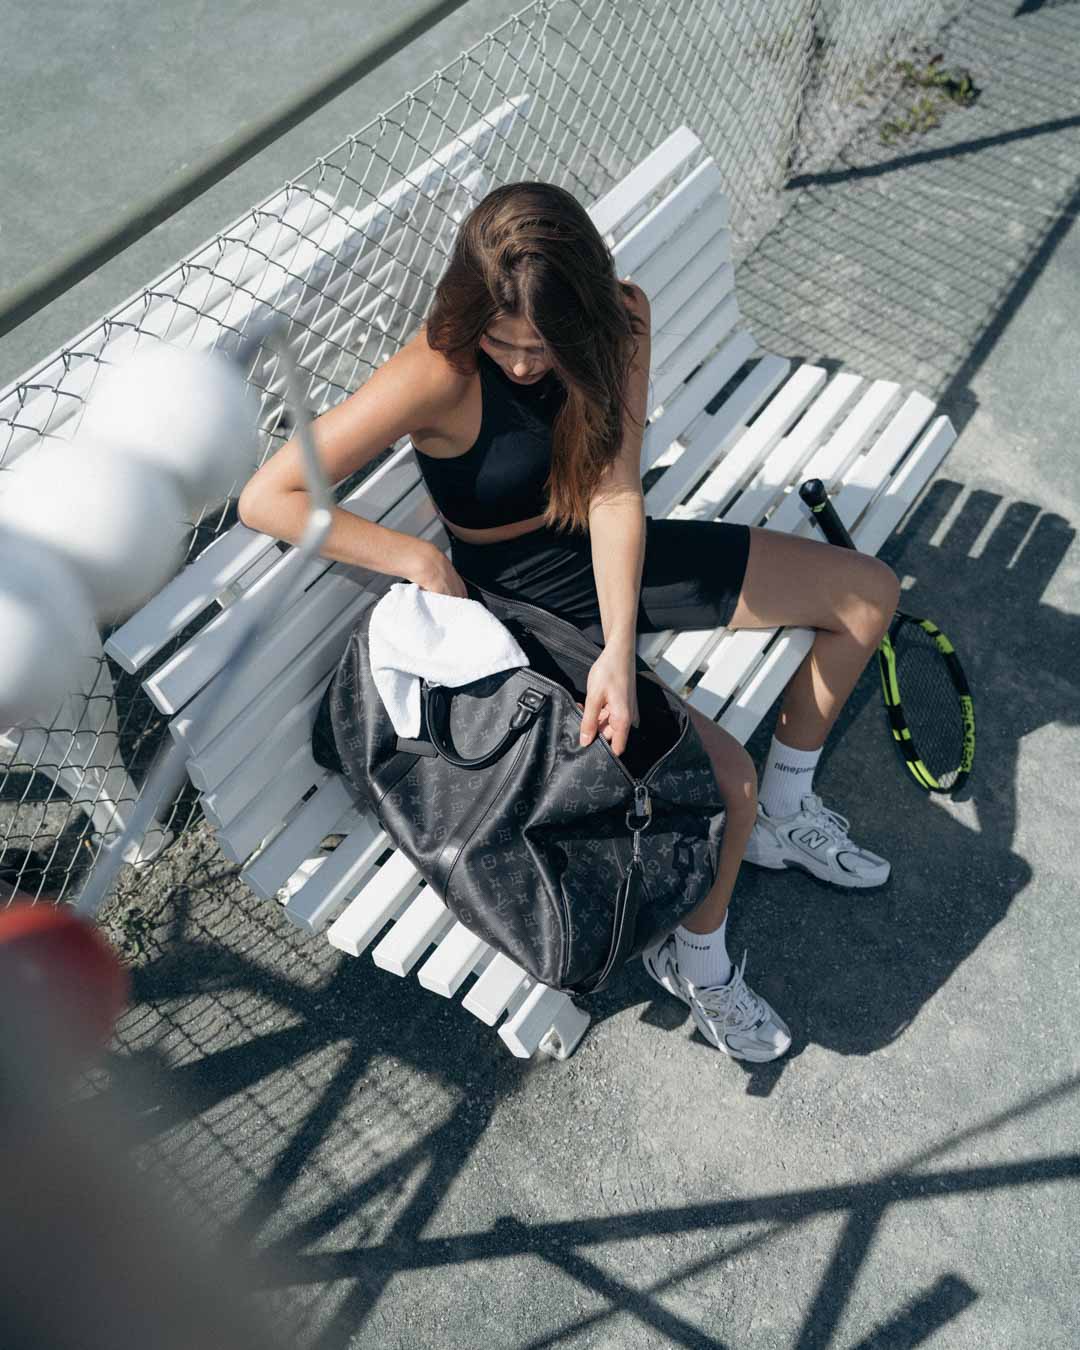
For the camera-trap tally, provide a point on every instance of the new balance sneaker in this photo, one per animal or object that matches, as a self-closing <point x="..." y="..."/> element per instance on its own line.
<point x="815" y="840"/>
<point x="659" y="960"/>
<point x="730" y="1016"/>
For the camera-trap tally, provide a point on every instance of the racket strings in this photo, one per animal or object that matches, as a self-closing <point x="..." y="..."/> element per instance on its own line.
<point x="930" y="702"/>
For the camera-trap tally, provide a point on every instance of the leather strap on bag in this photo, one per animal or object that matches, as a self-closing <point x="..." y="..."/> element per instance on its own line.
<point x="627" y="905"/>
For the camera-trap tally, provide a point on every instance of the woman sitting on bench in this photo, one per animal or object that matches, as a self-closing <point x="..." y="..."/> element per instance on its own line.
<point x="525" y="395"/>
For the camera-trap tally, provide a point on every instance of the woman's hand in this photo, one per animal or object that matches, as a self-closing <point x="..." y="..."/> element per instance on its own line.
<point x="611" y="697"/>
<point x="432" y="570"/>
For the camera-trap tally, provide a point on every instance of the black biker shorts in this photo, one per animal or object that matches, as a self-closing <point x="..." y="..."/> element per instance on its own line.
<point x="691" y="577"/>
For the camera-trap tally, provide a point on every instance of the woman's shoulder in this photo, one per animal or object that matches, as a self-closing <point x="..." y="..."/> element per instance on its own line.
<point x="448" y="394"/>
<point x="635" y="298"/>
<point x="436" y="365"/>
<point x="447" y="385"/>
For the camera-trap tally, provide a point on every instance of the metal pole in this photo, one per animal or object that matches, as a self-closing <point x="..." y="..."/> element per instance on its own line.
<point x="46" y="283"/>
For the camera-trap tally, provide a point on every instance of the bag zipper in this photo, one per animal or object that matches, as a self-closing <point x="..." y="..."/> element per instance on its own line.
<point x="585" y="647"/>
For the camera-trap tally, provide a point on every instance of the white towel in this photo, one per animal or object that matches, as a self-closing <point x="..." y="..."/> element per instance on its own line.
<point x="445" y="639"/>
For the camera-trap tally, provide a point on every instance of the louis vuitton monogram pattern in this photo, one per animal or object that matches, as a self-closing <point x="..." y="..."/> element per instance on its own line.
<point x="530" y="852"/>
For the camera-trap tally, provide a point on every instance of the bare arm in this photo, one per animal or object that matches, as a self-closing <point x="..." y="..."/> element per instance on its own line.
<point x="411" y="392"/>
<point x="617" y="510"/>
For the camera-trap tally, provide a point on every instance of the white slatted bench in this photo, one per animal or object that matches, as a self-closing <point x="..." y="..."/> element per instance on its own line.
<point x="272" y="806"/>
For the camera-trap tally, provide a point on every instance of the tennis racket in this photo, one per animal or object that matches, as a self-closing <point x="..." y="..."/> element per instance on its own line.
<point x="927" y="698"/>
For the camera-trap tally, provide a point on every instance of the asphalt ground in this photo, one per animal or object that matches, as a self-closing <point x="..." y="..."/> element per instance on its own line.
<point x="907" y="1174"/>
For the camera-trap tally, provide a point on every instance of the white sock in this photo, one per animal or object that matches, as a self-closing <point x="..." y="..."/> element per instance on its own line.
<point x="788" y="776"/>
<point x="703" y="957"/>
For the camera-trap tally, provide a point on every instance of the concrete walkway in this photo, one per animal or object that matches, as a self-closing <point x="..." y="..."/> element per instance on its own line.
<point x="907" y="1175"/>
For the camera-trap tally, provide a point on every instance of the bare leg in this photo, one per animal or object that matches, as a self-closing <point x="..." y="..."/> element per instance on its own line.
<point x="848" y="597"/>
<point x="736" y="778"/>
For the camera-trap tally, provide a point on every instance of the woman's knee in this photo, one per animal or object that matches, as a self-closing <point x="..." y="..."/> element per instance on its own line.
<point x="736" y="774"/>
<point x="809" y="583"/>
<point x="879" y="594"/>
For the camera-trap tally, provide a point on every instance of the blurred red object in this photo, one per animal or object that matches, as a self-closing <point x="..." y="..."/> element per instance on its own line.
<point x="55" y="957"/>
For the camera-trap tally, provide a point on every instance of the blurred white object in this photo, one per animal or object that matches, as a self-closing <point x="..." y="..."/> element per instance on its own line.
<point x="55" y="681"/>
<point x="46" y="625"/>
<point x="119" y="521"/>
<point x="190" y="413"/>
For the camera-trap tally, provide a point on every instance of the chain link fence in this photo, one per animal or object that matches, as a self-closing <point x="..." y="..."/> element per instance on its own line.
<point x="571" y="91"/>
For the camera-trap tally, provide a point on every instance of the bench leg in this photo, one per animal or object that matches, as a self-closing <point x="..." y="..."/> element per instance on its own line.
<point x="566" y="1031"/>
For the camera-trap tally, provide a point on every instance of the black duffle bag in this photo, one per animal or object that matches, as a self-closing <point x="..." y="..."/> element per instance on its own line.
<point x="567" y="858"/>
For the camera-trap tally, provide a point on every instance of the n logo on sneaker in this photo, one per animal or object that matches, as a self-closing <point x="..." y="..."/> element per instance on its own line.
<point x="812" y="838"/>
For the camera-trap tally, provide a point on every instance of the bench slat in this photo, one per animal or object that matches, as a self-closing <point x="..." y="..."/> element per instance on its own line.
<point x="266" y="761"/>
<point x="459" y="955"/>
<point x="720" y="327"/>
<point x="644" y="179"/>
<point x="206" y="715"/>
<point x="221" y="565"/>
<point x="705" y="296"/>
<point x="832" y="458"/>
<point x="177" y="683"/>
<point x="346" y="871"/>
<point x="185" y="597"/>
<point x="677" y="307"/>
<point x="702" y="189"/>
<point x="683" y="404"/>
<point x="771" y="676"/>
<point x="889" y="506"/>
<point x="328" y="811"/>
<point x="238" y="738"/>
<point x="736" y="652"/>
<point x="567" y="1028"/>
<point x="775" y="416"/>
<point x="189" y="669"/>
<point x="660" y="270"/>
<point x="501" y="982"/>
<point x="424" y="922"/>
<point x="782" y="466"/>
<point x="386" y="895"/>
<point x="242" y="835"/>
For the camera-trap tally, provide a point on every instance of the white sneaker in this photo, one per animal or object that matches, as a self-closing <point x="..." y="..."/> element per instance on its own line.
<point x="660" y="961"/>
<point x="730" y="1016"/>
<point x="814" y="840"/>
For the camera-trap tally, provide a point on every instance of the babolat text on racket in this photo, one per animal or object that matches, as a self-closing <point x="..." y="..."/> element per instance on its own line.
<point x="926" y="693"/>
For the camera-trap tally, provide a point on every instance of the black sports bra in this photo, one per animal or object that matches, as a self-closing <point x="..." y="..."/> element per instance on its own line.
<point x="500" y="479"/>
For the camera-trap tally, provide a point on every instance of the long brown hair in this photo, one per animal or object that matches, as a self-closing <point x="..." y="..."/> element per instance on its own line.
<point x="530" y="250"/>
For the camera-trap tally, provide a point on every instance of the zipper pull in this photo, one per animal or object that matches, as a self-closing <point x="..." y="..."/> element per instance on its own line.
<point x="642" y="813"/>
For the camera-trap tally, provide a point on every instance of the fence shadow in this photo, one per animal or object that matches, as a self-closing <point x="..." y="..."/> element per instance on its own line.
<point x="363" y="1230"/>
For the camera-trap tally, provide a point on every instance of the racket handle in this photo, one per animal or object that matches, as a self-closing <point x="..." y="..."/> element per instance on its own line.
<point x="813" y="493"/>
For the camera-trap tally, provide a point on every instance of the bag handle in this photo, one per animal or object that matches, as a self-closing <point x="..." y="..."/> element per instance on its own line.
<point x="437" y="708"/>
